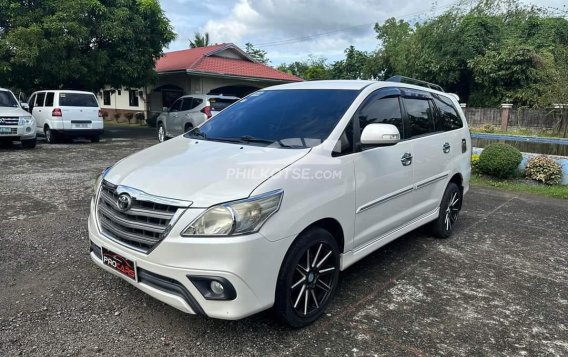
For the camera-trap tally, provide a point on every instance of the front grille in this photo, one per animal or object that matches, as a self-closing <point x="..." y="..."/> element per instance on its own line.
<point x="9" y="120"/>
<point x="141" y="227"/>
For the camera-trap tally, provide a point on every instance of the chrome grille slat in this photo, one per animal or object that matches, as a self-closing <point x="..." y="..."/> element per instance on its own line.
<point x="142" y="224"/>
<point x="116" y="218"/>
<point x="9" y="120"/>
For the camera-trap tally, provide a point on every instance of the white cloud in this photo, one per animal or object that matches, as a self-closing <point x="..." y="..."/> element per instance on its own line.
<point x="292" y="29"/>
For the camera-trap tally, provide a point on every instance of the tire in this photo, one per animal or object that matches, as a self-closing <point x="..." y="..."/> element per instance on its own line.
<point x="450" y="208"/>
<point x="95" y="139"/>
<point x="29" y="144"/>
<point x="162" y="133"/>
<point x="50" y="136"/>
<point x="303" y="290"/>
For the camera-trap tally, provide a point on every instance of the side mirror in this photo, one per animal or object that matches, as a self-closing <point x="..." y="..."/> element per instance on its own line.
<point x="25" y="106"/>
<point x="380" y="135"/>
<point x="165" y="109"/>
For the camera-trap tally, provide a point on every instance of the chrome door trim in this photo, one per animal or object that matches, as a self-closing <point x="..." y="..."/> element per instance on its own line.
<point x="431" y="181"/>
<point x="384" y="199"/>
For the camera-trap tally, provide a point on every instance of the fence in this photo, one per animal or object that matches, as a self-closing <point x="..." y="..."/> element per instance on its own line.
<point x="541" y="119"/>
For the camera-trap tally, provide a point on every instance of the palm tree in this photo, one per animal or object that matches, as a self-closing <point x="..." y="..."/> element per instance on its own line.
<point x="199" y="40"/>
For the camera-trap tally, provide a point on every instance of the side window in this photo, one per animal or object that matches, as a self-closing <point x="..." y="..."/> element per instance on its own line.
<point x="447" y="117"/>
<point x="196" y="102"/>
<point x="186" y="105"/>
<point x="39" y="99"/>
<point x="49" y="99"/>
<point x="381" y="111"/>
<point x="133" y="98"/>
<point x="176" y="106"/>
<point x="420" y="118"/>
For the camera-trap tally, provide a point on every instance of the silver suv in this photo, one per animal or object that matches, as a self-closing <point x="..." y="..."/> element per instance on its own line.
<point x="189" y="112"/>
<point x="15" y="123"/>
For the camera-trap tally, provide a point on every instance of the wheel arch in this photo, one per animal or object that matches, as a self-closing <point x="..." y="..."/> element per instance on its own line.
<point x="333" y="227"/>
<point x="458" y="180"/>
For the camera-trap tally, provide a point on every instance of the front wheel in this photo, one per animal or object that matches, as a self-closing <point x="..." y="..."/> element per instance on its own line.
<point x="450" y="208"/>
<point x="308" y="278"/>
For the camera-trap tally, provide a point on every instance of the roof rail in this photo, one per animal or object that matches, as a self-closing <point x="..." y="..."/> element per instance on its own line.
<point x="418" y="82"/>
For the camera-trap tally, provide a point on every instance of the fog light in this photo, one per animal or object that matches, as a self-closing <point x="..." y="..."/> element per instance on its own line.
<point x="28" y="130"/>
<point x="216" y="287"/>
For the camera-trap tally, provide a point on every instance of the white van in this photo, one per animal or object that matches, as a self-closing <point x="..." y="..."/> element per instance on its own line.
<point x="63" y="114"/>
<point x="263" y="205"/>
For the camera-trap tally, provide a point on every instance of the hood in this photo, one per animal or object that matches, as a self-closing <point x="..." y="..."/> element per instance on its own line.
<point x="13" y="112"/>
<point x="204" y="172"/>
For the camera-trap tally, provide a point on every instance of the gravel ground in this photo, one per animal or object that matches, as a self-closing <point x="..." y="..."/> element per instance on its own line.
<point x="499" y="286"/>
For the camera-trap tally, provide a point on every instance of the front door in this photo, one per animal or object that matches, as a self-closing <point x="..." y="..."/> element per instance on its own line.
<point x="383" y="175"/>
<point x="172" y="123"/>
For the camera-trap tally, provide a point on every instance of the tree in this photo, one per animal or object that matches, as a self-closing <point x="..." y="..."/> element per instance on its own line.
<point x="314" y="68"/>
<point x="199" y="40"/>
<point x="256" y="53"/>
<point x="81" y="44"/>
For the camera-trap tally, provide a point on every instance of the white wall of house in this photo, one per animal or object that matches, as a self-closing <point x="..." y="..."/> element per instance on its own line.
<point x="122" y="100"/>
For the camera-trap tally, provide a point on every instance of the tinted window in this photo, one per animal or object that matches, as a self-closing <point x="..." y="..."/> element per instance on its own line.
<point x="297" y="118"/>
<point x="7" y="99"/>
<point x="49" y="99"/>
<point x="39" y="99"/>
<point x="447" y="117"/>
<point x="420" y="118"/>
<point x="77" y="100"/>
<point x="176" y="106"/>
<point x="218" y="104"/>
<point x="381" y="111"/>
<point x="186" y="104"/>
<point x="196" y="102"/>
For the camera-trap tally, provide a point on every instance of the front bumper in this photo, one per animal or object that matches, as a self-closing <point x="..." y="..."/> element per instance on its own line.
<point x="250" y="263"/>
<point x="19" y="133"/>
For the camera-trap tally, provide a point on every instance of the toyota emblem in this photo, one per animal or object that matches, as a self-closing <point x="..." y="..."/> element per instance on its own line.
<point x="124" y="202"/>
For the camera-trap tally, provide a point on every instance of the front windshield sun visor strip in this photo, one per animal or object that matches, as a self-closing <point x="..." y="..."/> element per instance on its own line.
<point x="235" y="218"/>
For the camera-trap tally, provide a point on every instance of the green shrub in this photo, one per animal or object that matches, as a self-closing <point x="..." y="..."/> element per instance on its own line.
<point x="475" y="163"/>
<point x="544" y="169"/>
<point x="117" y="116"/>
<point x="499" y="160"/>
<point x="129" y="116"/>
<point x="488" y="128"/>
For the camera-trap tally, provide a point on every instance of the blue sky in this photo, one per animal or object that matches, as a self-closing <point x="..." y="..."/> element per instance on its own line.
<point x="291" y="30"/>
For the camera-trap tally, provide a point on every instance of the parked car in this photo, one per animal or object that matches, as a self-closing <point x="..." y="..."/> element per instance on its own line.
<point x="264" y="204"/>
<point x="189" y="112"/>
<point x="69" y="114"/>
<point x="152" y="119"/>
<point x="15" y="123"/>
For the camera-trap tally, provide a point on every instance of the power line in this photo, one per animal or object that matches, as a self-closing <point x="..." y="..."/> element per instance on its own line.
<point x="308" y="37"/>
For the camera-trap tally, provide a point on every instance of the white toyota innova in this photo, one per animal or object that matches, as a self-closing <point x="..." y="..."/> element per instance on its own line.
<point x="265" y="203"/>
<point x="69" y="114"/>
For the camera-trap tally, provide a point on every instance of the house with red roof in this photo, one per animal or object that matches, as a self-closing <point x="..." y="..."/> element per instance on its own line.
<point x="217" y="69"/>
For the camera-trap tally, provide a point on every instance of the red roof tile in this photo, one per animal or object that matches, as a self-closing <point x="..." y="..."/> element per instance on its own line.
<point x="202" y="59"/>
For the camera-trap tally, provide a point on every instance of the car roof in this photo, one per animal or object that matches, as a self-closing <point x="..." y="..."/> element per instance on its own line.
<point x="209" y="96"/>
<point x="64" y="91"/>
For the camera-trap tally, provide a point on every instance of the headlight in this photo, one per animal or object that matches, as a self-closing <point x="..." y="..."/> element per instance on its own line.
<point x="99" y="180"/>
<point x="27" y="120"/>
<point x="237" y="217"/>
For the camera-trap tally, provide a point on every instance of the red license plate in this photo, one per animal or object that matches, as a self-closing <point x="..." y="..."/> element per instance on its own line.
<point x="119" y="263"/>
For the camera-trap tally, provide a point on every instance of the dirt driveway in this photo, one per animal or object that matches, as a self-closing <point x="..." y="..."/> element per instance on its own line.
<point x="498" y="287"/>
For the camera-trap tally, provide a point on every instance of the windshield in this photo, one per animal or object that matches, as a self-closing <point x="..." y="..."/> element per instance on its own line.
<point x="285" y="118"/>
<point x="77" y="100"/>
<point x="7" y="99"/>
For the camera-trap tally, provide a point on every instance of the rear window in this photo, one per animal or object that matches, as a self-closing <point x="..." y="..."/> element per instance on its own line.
<point x="218" y="104"/>
<point x="77" y="100"/>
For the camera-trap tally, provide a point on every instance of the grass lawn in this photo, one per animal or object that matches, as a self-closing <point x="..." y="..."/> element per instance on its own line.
<point x="518" y="185"/>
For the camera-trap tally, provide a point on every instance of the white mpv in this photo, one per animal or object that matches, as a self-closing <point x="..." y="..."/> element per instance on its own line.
<point x="265" y="203"/>
<point x="68" y="114"/>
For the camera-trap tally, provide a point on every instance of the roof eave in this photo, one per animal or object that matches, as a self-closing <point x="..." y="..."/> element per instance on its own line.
<point x="225" y="75"/>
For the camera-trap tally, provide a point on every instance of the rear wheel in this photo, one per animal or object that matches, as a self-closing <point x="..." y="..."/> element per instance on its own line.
<point x="29" y="144"/>
<point x="50" y="136"/>
<point x="308" y="278"/>
<point x="450" y="208"/>
<point x="187" y="127"/>
<point x="161" y="133"/>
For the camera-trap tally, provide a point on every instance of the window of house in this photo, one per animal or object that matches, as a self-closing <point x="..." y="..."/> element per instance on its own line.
<point x="106" y="97"/>
<point x="381" y="111"/>
<point x="49" y="99"/>
<point x="447" y="117"/>
<point x="420" y="118"/>
<point x="133" y="98"/>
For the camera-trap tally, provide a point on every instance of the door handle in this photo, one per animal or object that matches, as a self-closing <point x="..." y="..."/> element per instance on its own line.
<point x="446" y="148"/>
<point x="406" y="159"/>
